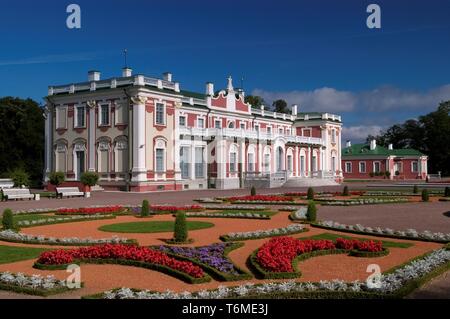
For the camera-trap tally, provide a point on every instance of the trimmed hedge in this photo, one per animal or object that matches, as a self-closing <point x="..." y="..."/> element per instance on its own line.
<point x="369" y="254"/>
<point x="161" y="268"/>
<point x="34" y="291"/>
<point x="81" y="219"/>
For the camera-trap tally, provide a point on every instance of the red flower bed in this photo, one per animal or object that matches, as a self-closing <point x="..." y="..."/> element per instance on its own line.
<point x="89" y="210"/>
<point x="262" y="198"/>
<point x="117" y="251"/>
<point x="277" y="254"/>
<point x="355" y="193"/>
<point x="164" y="208"/>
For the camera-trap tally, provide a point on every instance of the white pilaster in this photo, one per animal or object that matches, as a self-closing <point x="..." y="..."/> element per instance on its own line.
<point x="309" y="161"/>
<point x="192" y="162"/>
<point x="91" y="134"/>
<point x="221" y="158"/>
<point x="139" y="169"/>
<point x="297" y="161"/>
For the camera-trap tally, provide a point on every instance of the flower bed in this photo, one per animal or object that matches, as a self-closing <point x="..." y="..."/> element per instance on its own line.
<point x="303" y="194"/>
<point x="361" y="201"/>
<point x="258" y="234"/>
<point x="125" y="255"/>
<point x="60" y="220"/>
<point x="213" y="258"/>
<point x="228" y="215"/>
<point x="90" y="210"/>
<point x="234" y="207"/>
<point x="395" y="284"/>
<point x="385" y="232"/>
<point x="260" y="198"/>
<point x="33" y="285"/>
<point x="15" y="237"/>
<point x="298" y="214"/>
<point x="278" y="257"/>
<point x="167" y="209"/>
<point x="208" y="200"/>
<point x="394" y="193"/>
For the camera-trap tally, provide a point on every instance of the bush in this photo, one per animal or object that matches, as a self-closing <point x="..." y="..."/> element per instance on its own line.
<point x="310" y="194"/>
<point x="447" y="192"/>
<point x="425" y="195"/>
<point x="345" y="192"/>
<point x="20" y="177"/>
<point x="311" y="214"/>
<point x="145" y="210"/>
<point x="253" y="191"/>
<point x="8" y="219"/>
<point x="180" y="231"/>
<point x="57" y="178"/>
<point x="89" y="178"/>
<point x="387" y="174"/>
<point x="416" y="189"/>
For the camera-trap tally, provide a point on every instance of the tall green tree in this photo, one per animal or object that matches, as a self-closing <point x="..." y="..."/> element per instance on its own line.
<point x="254" y="100"/>
<point x="22" y="137"/>
<point x="280" y="106"/>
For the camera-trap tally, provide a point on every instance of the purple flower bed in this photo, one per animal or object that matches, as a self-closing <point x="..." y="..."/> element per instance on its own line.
<point x="212" y="255"/>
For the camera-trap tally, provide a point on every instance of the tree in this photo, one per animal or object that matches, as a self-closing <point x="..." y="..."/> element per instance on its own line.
<point x="180" y="230"/>
<point x="311" y="213"/>
<point x="56" y="178"/>
<point x="310" y="194"/>
<point x="145" y="210"/>
<point x="20" y="177"/>
<point x="280" y="106"/>
<point x="254" y="100"/>
<point x="253" y="191"/>
<point x="8" y="219"/>
<point x="89" y="179"/>
<point x="345" y="192"/>
<point x="22" y="142"/>
<point x="425" y="195"/>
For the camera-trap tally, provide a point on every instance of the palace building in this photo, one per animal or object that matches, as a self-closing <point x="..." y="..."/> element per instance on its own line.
<point x="363" y="161"/>
<point x="148" y="134"/>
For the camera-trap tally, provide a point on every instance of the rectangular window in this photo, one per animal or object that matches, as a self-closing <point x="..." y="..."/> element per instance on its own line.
<point x="348" y="167"/>
<point x="159" y="116"/>
<point x="242" y="125"/>
<point x="362" y="167"/>
<point x="217" y="123"/>
<point x="104" y="114"/>
<point x="376" y="167"/>
<point x="257" y="128"/>
<point x="81" y="116"/>
<point x="289" y="163"/>
<point x="199" y="162"/>
<point x="182" y="121"/>
<point x="415" y="167"/>
<point x="233" y="157"/>
<point x="251" y="162"/>
<point x="159" y="160"/>
<point x="121" y="115"/>
<point x="269" y="130"/>
<point x="61" y="116"/>
<point x="267" y="163"/>
<point x="280" y="130"/>
<point x="184" y="162"/>
<point x="201" y="123"/>
<point x="302" y="164"/>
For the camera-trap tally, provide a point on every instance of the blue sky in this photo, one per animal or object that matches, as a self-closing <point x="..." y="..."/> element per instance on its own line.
<point x="319" y="54"/>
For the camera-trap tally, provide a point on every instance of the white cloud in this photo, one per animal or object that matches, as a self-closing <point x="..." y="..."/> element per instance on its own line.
<point x="321" y="100"/>
<point x="359" y="133"/>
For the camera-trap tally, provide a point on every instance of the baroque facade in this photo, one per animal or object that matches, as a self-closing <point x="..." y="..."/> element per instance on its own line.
<point x="147" y="134"/>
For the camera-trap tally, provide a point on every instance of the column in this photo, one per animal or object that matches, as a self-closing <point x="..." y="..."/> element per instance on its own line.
<point x="242" y="157"/>
<point x="139" y="169"/>
<point x="48" y="115"/>
<point x="309" y="161"/>
<point x="220" y="157"/>
<point x="91" y="105"/>
<point x="297" y="161"/>
<point x="192" y="162"/>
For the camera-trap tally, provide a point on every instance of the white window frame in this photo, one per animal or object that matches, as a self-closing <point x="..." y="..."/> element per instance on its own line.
<point x="365" y="167"/>
<point x="231" y="123"/>
<point x="412" y="167"/>
<point x="164" y="120"/>
<point x="217" y="126"/>
<point x="235" y="164"/>
<point x="307" y="129"/>
<point x="202" y="119"/>
<point x="351" y="167"/>
<point x="185" y="120"/>
<point x="280" y="130"/>
<point x="100" y="116"/>
<point x="158" y="171"/>
<point x="122" y="106"/>
<point x="269" y="129"/>
<point x="75" y="122"/>
<point x="373" y="166"/>
<point x="242" y="125"/>
<point x="256" y="127"/>
<point x="58" y="111"/>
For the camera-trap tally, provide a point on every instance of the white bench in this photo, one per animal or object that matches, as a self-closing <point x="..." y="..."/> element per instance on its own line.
<point x="68" y="192"/>
<point x="17" y="193"/>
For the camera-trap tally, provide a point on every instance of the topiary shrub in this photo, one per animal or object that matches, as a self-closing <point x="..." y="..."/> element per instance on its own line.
<point x="8" y="219"/>
<point x="145" y="210"/>
<point x="20" y="177"/>
<point x="89" y="179"/>
<point x="253" y="191"/>
<point x="345" y="192"/>
<point x="425" y="195"/>
<point x="416" y="189"/>
<point x="387" y="174"/>
<point x="310" y="194"/>
<point x="180" y="232"/>
<point x="447" y="192"/>
<point x="57" y="178"/>
<point x="311" y="214"/>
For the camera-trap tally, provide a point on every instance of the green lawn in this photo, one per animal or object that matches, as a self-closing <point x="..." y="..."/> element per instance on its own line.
<point x="333" y="237"/>
<point x="261" y="212"/>
<point x="151" y="227"/>
<point x="30" y="217"/>
<point x="9" y="254"/>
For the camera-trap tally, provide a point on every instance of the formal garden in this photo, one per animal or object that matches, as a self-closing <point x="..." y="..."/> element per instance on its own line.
<point x="270" y="246"/>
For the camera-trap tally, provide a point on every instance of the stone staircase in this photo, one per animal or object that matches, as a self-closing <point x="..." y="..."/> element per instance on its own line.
<point x="309" y="182"/>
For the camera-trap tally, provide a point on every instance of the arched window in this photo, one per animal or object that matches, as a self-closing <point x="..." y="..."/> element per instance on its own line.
<point x="302" y="162"/>
<point x="251" y="158"/>
<point x="289" y="160"/>
<point x="233" y="158"/>
<point x="121" y="155"/>
<point x="160" y="155"/>
<point x="79" y="158"/>
<point x="280" y="159"/>
<point x="61" y="156"/>
<point x="231" y="124"/>
<point x="266" y="161"/>
<point x="103" y="149"/>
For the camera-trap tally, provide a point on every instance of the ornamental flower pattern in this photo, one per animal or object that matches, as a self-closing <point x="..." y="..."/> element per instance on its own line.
<point x="291" y="229"/>
<point x="33" y="281"/>
<point x="90" y="210"/>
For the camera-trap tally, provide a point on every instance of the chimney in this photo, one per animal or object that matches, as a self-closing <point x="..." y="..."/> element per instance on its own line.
<point x="373" y="144"/>
<point x="126" y="72"/>
<point x="390" y="147"/>
<point x="348" y="144"/>
<point x="209" y="88"/>
<point x="167" y="76"/>
<point x="93" y="76"/>
<point x="294" y="109"/>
